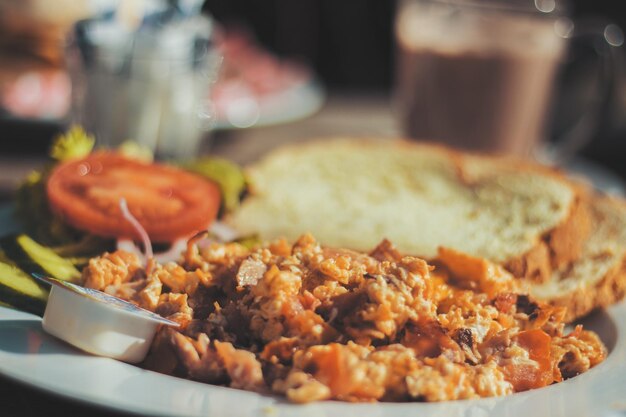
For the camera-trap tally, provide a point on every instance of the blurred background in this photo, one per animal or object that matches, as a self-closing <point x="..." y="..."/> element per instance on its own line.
<point x="337" y="58"/>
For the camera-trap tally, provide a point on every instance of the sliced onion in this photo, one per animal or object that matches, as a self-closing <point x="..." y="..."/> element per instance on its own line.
<point x="171" y="255"/>
<point x="218" y="232"/>
<point x="143" y="235"/>
<point x="128" y="245"/>
<point x="223" y="232"/>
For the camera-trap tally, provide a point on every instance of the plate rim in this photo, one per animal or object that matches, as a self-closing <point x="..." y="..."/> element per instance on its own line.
<point x="613" y="367"/>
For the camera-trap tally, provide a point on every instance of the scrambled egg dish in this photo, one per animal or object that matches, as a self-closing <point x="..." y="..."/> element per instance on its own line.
<point x="315" y="323"/>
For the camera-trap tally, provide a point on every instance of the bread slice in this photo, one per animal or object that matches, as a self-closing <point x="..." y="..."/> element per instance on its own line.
<point x="353" y="193"/>
<point x="598" y="277"/>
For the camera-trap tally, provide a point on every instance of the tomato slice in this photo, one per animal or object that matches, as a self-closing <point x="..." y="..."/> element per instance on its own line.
<point x="525" y="377"/>
<point x="167" y="201"/>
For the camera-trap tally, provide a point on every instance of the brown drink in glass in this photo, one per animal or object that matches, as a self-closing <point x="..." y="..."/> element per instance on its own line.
<point x="477" y="76"/>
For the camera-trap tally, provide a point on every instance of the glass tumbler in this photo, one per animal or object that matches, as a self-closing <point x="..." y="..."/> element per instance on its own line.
<point x="149" y="84"/>
<point x="481" y="74"/>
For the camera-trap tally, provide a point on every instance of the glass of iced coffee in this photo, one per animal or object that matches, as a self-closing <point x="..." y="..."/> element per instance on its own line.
<point x="479" y="74"/>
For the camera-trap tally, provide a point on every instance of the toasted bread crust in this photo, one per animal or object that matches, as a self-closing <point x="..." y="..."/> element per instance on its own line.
<point x="534" y="265"/>
<point x="559" y="248"/>
<point x="556" y="251"/>
<point x="566" y="241"/>
<point x="553" y="251"/>
<point x="609" y="290"/>
<point x="608" y="219"/>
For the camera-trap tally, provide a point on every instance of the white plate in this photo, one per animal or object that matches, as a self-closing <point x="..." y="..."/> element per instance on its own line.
<point x="31" y="356"/>
<point x="285" y="106"/>
<point x="600" y="177"/>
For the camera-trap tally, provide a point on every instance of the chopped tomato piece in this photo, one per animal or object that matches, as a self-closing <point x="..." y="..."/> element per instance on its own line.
<point x="167" y="201"/>
<point x="428" y="339"/>
<point x="524" y="377"/>
<point x="504" y="302"/>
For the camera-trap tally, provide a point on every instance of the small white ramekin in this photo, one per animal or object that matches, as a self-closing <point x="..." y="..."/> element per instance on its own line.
<point x="99" y="323"/>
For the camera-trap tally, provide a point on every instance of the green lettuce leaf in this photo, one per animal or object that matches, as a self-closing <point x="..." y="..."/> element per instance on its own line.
<point x="73" y="144"/>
